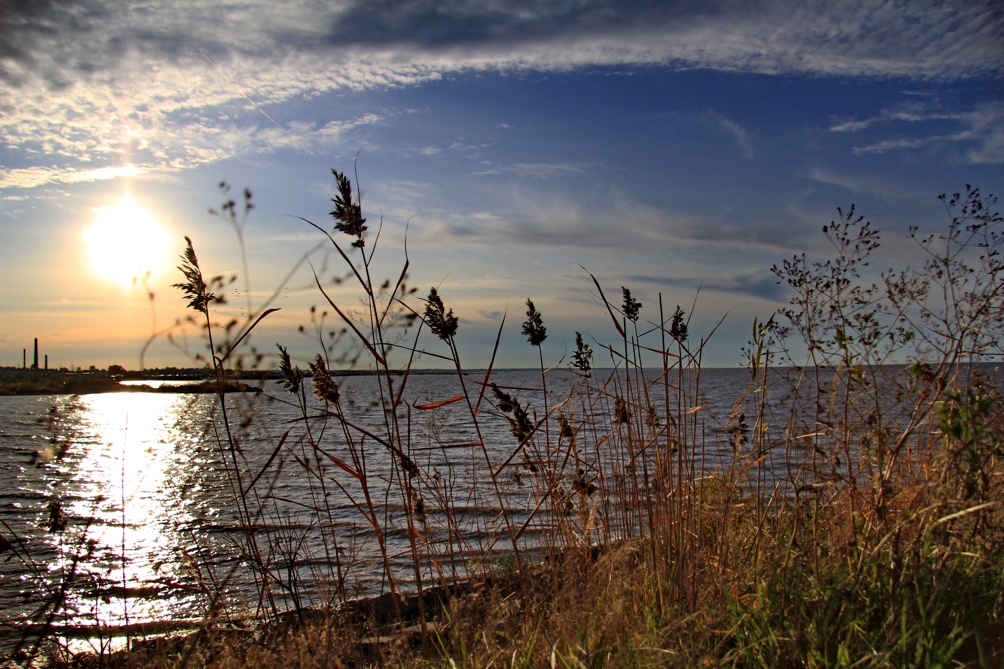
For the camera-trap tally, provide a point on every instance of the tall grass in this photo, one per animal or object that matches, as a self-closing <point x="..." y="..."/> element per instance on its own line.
<point x="847" y="511"/>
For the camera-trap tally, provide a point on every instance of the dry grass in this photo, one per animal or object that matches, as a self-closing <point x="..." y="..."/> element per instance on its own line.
<point x="848" y="513"/>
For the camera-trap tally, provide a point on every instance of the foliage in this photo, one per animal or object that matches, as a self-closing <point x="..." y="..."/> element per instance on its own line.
<point x="847" y="511"/>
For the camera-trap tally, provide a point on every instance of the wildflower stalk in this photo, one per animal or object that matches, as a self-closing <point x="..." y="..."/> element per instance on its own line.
<point x="200" y="299"/>
<point x="444" y="325"/>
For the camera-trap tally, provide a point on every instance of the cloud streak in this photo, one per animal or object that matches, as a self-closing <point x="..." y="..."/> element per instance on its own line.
<point x="535" y="170"/>
<point x="981" y="130"/>
<point x="172" y="85"/>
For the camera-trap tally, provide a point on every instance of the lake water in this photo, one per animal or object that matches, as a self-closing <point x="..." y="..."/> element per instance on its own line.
<point x="121" y="508"/>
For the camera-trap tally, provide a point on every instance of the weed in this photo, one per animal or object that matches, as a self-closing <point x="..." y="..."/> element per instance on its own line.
<point x="846" y="512"/>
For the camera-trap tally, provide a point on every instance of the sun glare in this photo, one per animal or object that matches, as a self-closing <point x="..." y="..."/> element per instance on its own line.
<point x="126" y="242"/>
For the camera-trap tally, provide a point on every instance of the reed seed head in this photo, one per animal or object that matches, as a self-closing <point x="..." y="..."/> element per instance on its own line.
<point x="348" y="215"/>
<point x="533" y="327"/>
<point x="291" y="376"/>
<point x="565" y="428"/>
<point x="420" y="511"/>
<point x="582" y="356"/>
<point x="652" y="419"/>
<point x="581" y="486"/>
<point x="631" y="306"/>
<point x="194" y="287"/>
<point x="519" y="423"/>
<point x="621" y="412"/>
<point x="325" y="389"/>
<point x="409" y="466"/>
<point x="442" y="322"/>
<point x="678" y="326"/>
<point x="739" y="430"/>
<point x="55" y="520"/>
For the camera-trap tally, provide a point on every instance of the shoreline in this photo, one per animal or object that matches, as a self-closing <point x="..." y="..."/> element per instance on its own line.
<point x="90" y="386"/>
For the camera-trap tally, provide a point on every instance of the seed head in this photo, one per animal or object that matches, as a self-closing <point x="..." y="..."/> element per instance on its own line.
<point x="533" y="327"/>
<point x="519" y="423"/>
<point x="442" y="323"/>
<point x="348" y="215"/>
<point x="678" y="326"/>
<point x="631" y="306"/>
<point x="56" y="519"/>
<point x="291" y="376"/>
<point x="583" y="355"/>
<point x="195" y="288"/>
<point x="565" y="427"/>
<point x="409" y="466"/>
<point x="622" y="415"/>
<point x="325" y="388"/>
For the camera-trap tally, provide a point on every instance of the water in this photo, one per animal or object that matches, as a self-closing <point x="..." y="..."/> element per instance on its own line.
<point x="129" y="498"/>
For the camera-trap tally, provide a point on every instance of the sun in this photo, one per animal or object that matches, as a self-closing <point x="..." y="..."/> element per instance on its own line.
<point x="126" y="242"/>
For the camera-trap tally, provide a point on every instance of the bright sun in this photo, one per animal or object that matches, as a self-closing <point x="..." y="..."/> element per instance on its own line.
<point x="125" y="242"/>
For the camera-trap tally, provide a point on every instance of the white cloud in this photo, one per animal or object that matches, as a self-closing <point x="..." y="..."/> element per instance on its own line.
<point x="981" y="130"/>
<point x="987" y="124"/>
<point x="616" y="223"/>
<point x="853" y="126"/>
<point x="171" y="84"/>
<point x="36" y="176"/>
<point x="715" y="120"/>
<point x="535" y="170"/>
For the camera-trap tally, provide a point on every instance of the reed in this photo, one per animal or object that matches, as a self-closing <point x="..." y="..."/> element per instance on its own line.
<point x="846" y="512"/>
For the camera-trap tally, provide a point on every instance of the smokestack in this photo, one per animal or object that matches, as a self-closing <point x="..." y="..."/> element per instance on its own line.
<point x="46" y="362"/>
<point x="35" y="366"/>
<point x="24" y="358"/>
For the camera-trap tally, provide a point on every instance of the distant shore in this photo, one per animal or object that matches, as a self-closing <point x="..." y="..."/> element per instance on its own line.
<point x="56" y="383"/>
<point x="17" y="381"/>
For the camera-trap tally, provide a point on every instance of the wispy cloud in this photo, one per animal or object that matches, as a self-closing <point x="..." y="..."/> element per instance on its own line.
<point x="760" y="284"/>
<point x="914" y="112"/>
<point x="535" y="170"/>
<point x="168" y="84"/>
<point x="980" y="131"/>
<point x="719" y="122"/>
<point x="862" y="38"/>
<point x="35" y="176"/>
<point x="874" y="185"/>
<point x="614" y="223"/>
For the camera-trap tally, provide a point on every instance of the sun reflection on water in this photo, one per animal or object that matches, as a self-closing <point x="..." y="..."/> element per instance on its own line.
<point x="128" y="487"/>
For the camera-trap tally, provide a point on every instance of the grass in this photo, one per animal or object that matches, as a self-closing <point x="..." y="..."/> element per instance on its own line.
<point x="847" y="514"/>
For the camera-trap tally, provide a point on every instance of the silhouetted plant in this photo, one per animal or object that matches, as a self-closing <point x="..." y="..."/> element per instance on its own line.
<point x="631" y="307"/>
<point x="622" y="414"/>
<point x="582" y="357"/>
<point x="678" y="326"/>
<point x="533" y="326"/>
<point x="442" y="322"/>
<point x="325" y="388"/>
<point x="348" y="214"/>
<point x="291" y="376"/>
<point x="195" y="288"/>
<point x="751" y="540"/>
<point x="519" y="421"/>
<point x="55" y="518"/>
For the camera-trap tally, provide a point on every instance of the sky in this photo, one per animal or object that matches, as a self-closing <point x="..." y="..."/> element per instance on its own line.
<point x="505" y="150"/>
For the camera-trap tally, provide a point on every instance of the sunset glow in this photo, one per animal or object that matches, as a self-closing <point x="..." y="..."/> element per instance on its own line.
<point x="678" y="149"/>
<point x="126" y="243"/>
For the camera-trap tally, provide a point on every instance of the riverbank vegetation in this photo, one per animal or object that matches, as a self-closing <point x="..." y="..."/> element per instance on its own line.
<point x="847" y="513"/>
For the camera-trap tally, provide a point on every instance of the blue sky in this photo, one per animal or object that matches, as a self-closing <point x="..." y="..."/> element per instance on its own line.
<point x="676" y="148"/>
